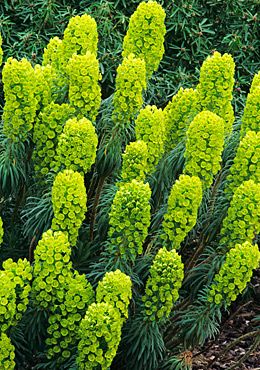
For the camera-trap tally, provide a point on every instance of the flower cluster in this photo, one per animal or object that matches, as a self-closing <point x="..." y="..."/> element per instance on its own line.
<point x="179" y="113"/>
<point x="52" y="54"/>
<point x="134" y="164"/>
<point x="1" y="50"/>
<point x="69" y="203"/>
<point x="53" y="58"/>
<point x="65" y="293"/>
<point x="163" y="284"/>
<point x="7" y="301"/>
<point x="80" y="36"/>
<point x="49" y="125"/>
<point x="216" y="86"/>
<point x="52" y="267"/>
<point x="183" y="205"/>
<point x="7" y="354"/>
<point x="43" y="91"/>
<point x="100" y="334"/>
<point x="251" y="115"/>
<point x="20" y="102"/>
<point x="242" y="222"/>
<point x="77" y="146"/>
<point x="128" y="97"/>
<point x="246" y="164"/>
<point x="1" y="231"/>
<point x="20" y="273"/>
<point x="204" y="145"/>
<point x="255" y="82"/>
<point x="150" y="127"/>
<point x="129" y="219"/>
<point x="84" y="89"/>
<point x="234" y="274"/>
<point x="77" y="294"/>
<point x="145" y="35"/>
<point x="115" y="289"/>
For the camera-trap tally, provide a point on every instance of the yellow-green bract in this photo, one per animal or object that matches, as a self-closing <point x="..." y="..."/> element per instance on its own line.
<point x="128" y="97"/>
<point x="255" y="82"/>
<point x="246" y="165"/>
<point x="216" y="86"/>
<point x="62" y="291"/>
<point x="178" y="114"/>
<point x="66" y="317"/>
<point x="234" y="274"/>
<point x="48" y="127"/>
<point x="20" y="273"/>
<point x="150" y="127"/>
<point x="84" y="89"/>
<point x="7" y="354"/>
<point x="115" y="289"/>
<point x="7" y="300"/>
<point x="80" y="36"/>
<point x="20" y="102"/>
<point x="242" y="222"/>
<point x="163" y="284"/>
<point x="182" y="209"/>
<point x="51" y="269"/>
<point x="77" y="146"/>
<point x="134" y="164"/>
<point x="129" y="219"/>
<point x="145" y="35"/>
<point x="43" y="90"/>
<point x="100" y="334"/>
<point x="251" y="115"/>
<point x="204" y="146"/>
<point x="69" y="203"/>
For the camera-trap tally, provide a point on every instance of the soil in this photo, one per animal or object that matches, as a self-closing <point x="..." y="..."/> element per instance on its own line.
<point x="239" y="323"/>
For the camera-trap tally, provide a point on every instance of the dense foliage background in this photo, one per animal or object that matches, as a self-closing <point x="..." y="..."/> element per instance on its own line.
<point x="195" y="28"/>
<point x="188" y="182"/>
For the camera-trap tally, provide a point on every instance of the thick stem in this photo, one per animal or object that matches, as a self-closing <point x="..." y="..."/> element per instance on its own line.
<point x="100" y="185"/>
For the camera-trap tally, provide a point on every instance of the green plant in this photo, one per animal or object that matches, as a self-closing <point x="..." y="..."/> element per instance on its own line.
<point x="216" y="85"/>
<point x="235" y="273"/>
<point x="69" y="203"/>
<point x="182" y="208"/>
<point x="112" y="224"/>
<point x="163" y="284"/>
<point x="204" y="146"/>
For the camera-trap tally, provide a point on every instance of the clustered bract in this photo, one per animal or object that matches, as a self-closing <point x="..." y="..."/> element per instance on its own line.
<point x="77" y="146"/>
<point x="216" y="85"/>
<point x="179" y="113"/>
<point x="251" y="115"/>
<point x="128" y="96"/>
<point x="183" y="204"/>
<point x="7" y="354"/>
<point x="150" y="127"/>
<point x="20" y="102"/>
<point x="100" y="334"/>
<point x="204" y="146"/>
<point x="163" y="284"/>
<point x="246" y="165"/>
<point x="115" y="289"/>
<point x="134" y="164"/>
<point x="145" y="35"/>
<point x="69" y="203"/>
<point x="234" y="274"/>
<point x="84" y="90"/>
<point x="129" y="219"/>
<point x="242" y="222"/>
<point x="49" y="125"/>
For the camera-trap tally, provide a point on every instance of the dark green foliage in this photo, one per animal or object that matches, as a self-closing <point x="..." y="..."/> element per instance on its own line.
<point x="194" y="29"/>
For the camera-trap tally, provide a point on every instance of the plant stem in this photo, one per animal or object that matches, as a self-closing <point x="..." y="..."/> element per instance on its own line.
<point x="100" y="185"/>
